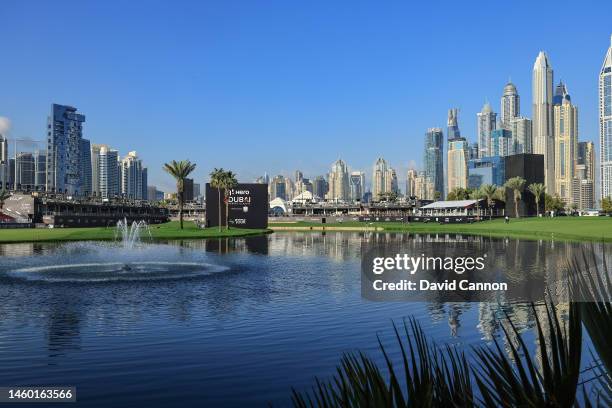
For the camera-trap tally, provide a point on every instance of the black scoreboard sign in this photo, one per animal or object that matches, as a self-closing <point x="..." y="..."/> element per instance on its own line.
<point x="247" y="206"/>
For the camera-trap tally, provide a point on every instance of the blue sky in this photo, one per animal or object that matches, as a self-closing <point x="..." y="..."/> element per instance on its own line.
<point x="276" y="86"/>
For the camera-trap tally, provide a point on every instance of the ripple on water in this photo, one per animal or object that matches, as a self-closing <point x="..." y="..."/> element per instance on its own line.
<point x="116" y="271"/>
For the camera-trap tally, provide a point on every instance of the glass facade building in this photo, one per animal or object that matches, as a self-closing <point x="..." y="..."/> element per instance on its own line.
<point x="64" y="163"/>
<point x="487" y="170"/>
<point x="433" y="158"/>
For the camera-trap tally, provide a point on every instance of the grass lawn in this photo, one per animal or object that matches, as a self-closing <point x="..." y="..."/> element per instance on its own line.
<point x="561" y="228"/>
<point x="168" y="230"/>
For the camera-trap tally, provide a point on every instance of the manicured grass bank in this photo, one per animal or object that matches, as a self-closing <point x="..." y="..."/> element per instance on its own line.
<point x="169" y="230"/>
<point x="559" y="228"/>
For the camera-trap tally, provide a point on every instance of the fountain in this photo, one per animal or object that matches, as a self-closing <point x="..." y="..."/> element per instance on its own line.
<point x="106" y="262"/>
<point x="130" y="234"/>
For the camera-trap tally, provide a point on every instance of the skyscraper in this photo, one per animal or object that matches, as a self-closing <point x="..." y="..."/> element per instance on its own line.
<point x="411" y="182"/>
<point x="132" y="185"/>
<point x="277" y="188"/>
<point x="424" y="188"/>
<point x="510" y="105"/>
<point x="561" y="94"/>
<point x="457" y="163"/>
<point x="543" y="135"/>
<point x="605" y="124"/>
<point x="95" y="168"/>
<point x="40" y="169"/>
<point x="357" y="182"/>
<point x="453" y="125"/>
<point x="433" y="158"/>
<point x="108" y="172"/>
<point x="4" y="162"/>
<point x="320" y="187"/>
<point x="379" y="174"/>
<point x="487" y="120"/>
<point x="585" y="154"/>
<point x="339" y="182"/>
<point x="584" y="176"/>
<point x="64" y="134"/>
<point x="502" y="143"/>
<point x="566" y="143"/>
<point x="86" y="170"/>
<point x="391" y="183"/>
<point x="521" y="133"/>
<point x="25" y="171"/>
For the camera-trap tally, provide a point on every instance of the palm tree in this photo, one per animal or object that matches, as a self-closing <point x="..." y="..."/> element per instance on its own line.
<point x="488" y="191"/>
<point x="537" y="189"/>
<point x="477" y="195"/>
<point x="216" y="181"/>
<point x="516" y="184"/>
<point x="180" y="171"/>
<point x="228" y="182"/>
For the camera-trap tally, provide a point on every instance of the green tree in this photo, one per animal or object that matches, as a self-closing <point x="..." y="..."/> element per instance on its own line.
<point x="180" y="171"/>
<point x="216" y="181"/>
<point x="516" y="184"/>
<point x="437" y="195"/>
<point x="553" y="203"/>
<point x="537" y="189"/>
<point x="489" y="192"/>
<point x="458" y="193"/>
<point x="478" y="195"/>
<point x="606" y="205"/>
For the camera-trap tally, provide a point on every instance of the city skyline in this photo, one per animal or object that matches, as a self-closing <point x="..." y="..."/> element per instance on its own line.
<point x="401" y="119"/>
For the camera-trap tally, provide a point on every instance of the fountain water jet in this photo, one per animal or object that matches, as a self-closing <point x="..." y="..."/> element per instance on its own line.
<point x="130" y="234"/>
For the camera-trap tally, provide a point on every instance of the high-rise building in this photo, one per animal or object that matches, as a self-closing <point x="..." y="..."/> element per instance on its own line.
<point x="64" y="165"/>
<point x="457" y="164"/>
<point x="561" y="95"/>
<point x="109" y="174"/>
<point x="411" y="176"/>
<point x="357" y="184"/>
<point x="132" y="184"/>
<point x="510" y="105"/>
<point x="188" y="190"/>
<point x="339" y="182"/>
<point x="487" y="120"/>
<point x="86" y="170"/>
<point x="423" y="187"/>
<point x="40" y="169"/>
<point x="521" y="134"/>
<point x="4" y="162"/>
<point x="584" y="176"/>
<point x="486" y="170"/>
<point x="277" y="188"/>
<point x="433" y="158"/>
<point x="543" y="134"/>
<point x="605" y="124"/>
<point x="566" y="143"/>
<point x="95" y="168"/>
<point x="391" y="183"/>
<point x="25" y="171"/>
<point x="379" y="174"/>
<point x="152" y="193"/>
<point x="502" y="143"/>
<point x="320" y="187"/>
<point x="453" y="125"/>
<point x="585" y="154"/>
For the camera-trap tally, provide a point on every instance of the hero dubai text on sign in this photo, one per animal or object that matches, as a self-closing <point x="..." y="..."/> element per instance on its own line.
<point x="247" y="206"/>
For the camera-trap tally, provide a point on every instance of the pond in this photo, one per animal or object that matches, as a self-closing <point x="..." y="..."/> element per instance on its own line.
<point x="224" y="323"/>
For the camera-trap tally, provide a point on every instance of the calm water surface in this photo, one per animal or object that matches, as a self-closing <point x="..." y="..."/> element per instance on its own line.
<point x="237" y="324"/>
